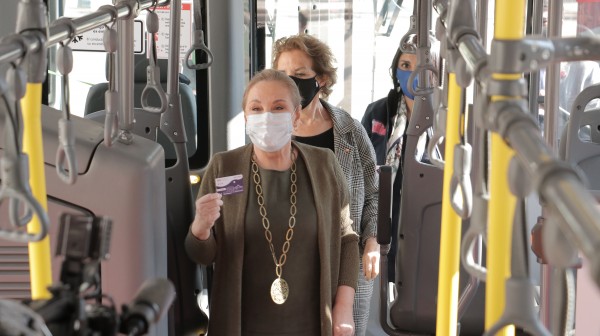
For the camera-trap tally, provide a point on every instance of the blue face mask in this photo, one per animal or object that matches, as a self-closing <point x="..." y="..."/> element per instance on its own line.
<point x="402" y="76"/>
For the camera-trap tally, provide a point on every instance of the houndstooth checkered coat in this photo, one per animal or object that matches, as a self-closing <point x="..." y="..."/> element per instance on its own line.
<point x="356" y="155"/>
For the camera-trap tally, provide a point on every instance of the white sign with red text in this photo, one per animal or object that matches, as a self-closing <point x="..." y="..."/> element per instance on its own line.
<point x="162" y="39"/>
<point x="93" y="40"/>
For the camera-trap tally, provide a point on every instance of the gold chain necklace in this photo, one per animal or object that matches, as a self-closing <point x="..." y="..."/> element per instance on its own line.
<point x="279" y="288"/>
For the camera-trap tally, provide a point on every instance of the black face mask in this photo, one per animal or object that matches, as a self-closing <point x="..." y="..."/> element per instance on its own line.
<point x="308" y="89"/>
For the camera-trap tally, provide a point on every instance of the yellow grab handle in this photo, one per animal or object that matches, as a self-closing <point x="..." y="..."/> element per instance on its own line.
<point x="447" y="307"/>
<point x="499" y="242"/>
<point x="502" y="201"/>
<point x="40" y="267"/>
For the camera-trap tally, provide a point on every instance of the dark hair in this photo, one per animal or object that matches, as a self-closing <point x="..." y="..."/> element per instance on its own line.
<point x="393" y="68"/>
<point x="434" y="53"/>
<point x="277" y="76"/>
<point x="319" y="52"/>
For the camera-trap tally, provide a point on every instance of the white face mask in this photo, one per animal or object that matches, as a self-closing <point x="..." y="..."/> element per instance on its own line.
<point x="269" y="131"/>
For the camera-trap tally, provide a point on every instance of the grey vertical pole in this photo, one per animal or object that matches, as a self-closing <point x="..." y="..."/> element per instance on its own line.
<point x="174" y="46"/>
<point x="346" y="102"/>
<point x="185" y="317"/>
<point x="479" y="144"/>
<point x="253" y="4"/>
<point x="553" y="278"/>
<point x="552" y="77"/>
<point x="226" y="74"/>
<point x="550" y="135"/>
<point x="534" y="76"/>
<point x="172" y="120"/>
<point x="125" y="75"/>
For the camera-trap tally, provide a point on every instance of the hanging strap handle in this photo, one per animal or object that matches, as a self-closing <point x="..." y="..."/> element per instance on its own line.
<point x="14" y="168"/>
<point x="153" y="70"/>
<point x="461" y="181"/>
<point x="65" y="153"/>
<point x="461" y="176"/>
<point x="198" y="43"/>
<point x="17" y="80"/>
<point x="439" y="133"/>
<point x="479" y="216"/>
<point x="111" y="98"/>
<point x="406" y="45"/>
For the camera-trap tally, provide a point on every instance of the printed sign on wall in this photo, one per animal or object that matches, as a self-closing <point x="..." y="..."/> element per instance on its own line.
<point x="93" y="40"/>
<point x="164" y="18"/>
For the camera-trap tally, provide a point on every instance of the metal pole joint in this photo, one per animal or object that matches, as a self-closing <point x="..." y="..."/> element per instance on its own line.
<point x="475" y="56"/>
<point x="551" y="171"/>
<point x="471" y="61"/>
<point x="517" y="56"/>
<point x="134" y="8"/>
<point x="505" y="115"/>
<point x="32" y="21"/>
<point x="461" y="21"/>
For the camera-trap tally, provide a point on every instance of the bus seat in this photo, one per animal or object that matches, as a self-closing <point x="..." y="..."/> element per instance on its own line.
<point x="414" y="309"/>
<point x="125" y="183"/>
<point x="187" y="317"/>
<point x="581" y="137"/>
<point x="580" y="146"/>
<point x="94" y="105"/>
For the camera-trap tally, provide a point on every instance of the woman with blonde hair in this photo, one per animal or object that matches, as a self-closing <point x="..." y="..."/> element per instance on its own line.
<point x="273" y="217"/>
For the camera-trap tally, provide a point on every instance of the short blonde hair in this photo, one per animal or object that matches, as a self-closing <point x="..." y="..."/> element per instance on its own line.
<point x="318" y="51"/>
<point x="276" y="76"/>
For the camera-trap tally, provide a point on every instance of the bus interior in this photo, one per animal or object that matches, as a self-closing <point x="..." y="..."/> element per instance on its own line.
<point x="109" y="121"/>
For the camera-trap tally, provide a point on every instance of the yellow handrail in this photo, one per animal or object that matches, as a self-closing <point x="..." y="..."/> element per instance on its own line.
<point x="502" y="201"/>
<point x="40" y="270"/>
<point x="447" y="307"/>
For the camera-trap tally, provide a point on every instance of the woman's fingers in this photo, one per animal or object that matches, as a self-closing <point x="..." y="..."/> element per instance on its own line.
<point x="367" y="266"/>
<point x="371" y="265"/>
<point x="208" y="210"/>
<point x="375" y="266"/>
<point x="209" y="199"/>
<point x="343" y="330"/>
<point x="371" y="259"/>
<point x="209" y="203"/>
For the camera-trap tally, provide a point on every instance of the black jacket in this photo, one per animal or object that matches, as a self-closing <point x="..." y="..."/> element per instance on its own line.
<point x="381" y="113"/>
<point x="377" y="120"/>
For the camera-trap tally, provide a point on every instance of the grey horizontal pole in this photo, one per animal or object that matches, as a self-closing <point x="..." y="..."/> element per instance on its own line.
<point x="577" y="207"/>
<point x="564" y="192"/>
<point x="11" y="50"/>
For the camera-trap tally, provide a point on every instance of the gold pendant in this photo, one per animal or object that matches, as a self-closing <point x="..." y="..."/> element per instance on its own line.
<point x="279" y="291"/>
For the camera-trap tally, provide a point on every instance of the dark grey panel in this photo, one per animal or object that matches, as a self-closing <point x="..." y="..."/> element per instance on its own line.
<point x="123" y="182"/>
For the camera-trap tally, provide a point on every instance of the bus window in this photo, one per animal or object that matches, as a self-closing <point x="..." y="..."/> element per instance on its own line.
<point x="83" y="76"/>
<point x="579" y="19"/>
<point x="89" y="66"/>
<point x="363" y="36"/>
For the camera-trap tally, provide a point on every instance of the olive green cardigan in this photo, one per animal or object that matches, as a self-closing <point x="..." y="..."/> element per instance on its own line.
<point x="338" y="243"/>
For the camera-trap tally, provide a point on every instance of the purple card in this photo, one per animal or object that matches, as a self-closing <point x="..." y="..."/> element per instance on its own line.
<point x="229" y="185"/>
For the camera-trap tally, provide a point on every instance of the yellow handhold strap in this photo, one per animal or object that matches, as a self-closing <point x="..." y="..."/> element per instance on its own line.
<point x="39" y="253"/>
